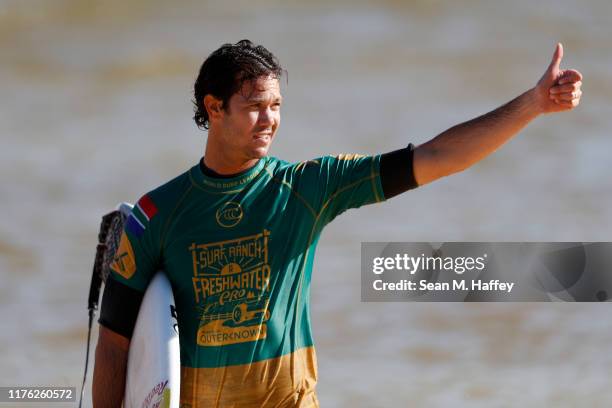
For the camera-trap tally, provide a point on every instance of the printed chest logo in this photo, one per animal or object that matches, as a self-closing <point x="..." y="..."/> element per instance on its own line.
<point x="229" y="214"/>
<point x="231" y="288"/>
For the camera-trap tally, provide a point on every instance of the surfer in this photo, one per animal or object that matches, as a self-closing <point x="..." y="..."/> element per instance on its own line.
<point x="243" y="315"/>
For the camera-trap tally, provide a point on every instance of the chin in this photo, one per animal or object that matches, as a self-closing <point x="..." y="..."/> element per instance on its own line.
<point x="259" y="152"/>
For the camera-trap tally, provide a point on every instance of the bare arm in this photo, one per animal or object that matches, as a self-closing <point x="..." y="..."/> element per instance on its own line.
<point x="467" y="143"/>
<point x="109" y="371"/>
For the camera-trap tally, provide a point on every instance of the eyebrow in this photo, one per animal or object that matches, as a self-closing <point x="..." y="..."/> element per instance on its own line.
<point x="259" y="99"/>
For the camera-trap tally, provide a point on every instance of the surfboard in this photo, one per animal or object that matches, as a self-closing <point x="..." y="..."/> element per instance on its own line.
<point x="153" y="368"/>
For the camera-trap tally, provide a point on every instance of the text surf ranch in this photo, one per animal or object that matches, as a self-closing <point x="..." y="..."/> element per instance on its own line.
<point x="422" y="285"/>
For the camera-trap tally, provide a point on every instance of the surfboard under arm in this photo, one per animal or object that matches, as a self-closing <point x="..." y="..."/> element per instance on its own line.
<point x="153" y="369"/>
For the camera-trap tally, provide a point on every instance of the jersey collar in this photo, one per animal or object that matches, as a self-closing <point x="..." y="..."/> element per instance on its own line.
<point x="226" y="185"/>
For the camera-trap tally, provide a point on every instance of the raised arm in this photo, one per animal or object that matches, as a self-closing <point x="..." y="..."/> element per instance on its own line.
<point x="467" y="143"/>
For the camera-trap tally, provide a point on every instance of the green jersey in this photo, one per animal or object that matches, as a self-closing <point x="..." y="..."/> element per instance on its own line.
<point x="239" y="254"/>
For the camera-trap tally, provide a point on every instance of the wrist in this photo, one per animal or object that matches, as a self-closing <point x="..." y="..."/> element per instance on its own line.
<point x="535" y="101"/>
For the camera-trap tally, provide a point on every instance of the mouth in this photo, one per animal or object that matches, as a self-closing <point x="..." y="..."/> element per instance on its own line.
<point x="262" y="135"/>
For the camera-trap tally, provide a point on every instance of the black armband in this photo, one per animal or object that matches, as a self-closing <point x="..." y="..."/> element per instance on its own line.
<point x="396" y="171"/>
<point x="120" y="306"/>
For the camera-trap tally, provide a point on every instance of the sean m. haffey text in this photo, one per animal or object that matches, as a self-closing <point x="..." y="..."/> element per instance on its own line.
<point x="412" y="265"/>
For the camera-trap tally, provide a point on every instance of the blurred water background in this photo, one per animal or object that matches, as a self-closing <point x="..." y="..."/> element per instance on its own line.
<point x="95" y="109"/>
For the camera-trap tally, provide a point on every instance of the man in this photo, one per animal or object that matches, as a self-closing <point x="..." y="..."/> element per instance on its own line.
<point x="236" y="233"/>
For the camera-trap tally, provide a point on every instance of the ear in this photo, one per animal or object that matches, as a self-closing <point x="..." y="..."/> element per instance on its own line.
<point x="213" y="106"/>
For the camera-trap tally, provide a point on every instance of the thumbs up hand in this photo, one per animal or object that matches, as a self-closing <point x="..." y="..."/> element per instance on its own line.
<point x="558" y="90"/>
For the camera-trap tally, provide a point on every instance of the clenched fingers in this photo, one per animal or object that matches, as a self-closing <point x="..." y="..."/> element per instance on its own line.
<point x="566" y="93"/>
<point x="568" y="104"/>
<point x="570" y="75"/>
<point x="572" y="87"/>
<point x="567" y="96"/>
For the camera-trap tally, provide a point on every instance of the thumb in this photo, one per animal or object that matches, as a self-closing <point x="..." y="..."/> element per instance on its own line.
<point x="553" y="68"/>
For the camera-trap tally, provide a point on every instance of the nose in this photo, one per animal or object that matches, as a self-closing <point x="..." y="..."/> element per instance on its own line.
<point x="267" y="117"/>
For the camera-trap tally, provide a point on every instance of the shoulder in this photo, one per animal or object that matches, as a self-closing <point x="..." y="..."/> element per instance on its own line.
<point x="320" y="167"/>
<point x="164" y="199"/>
<point x="284" y="170"/>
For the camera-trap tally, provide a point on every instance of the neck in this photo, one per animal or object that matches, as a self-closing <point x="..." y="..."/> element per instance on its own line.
<point x="222" y="162"/>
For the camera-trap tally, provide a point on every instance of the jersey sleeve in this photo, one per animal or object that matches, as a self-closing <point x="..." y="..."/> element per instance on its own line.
<point x="134" y="264"/>
<point x="348" y="181"/>
<point x="138" y="255"/>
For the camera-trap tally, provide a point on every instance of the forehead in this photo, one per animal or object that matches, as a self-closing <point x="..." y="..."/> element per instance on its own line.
<point x="262" y="88"/>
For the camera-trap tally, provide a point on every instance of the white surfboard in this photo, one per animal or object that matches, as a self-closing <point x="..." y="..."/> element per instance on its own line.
<point x="154" y="364"/>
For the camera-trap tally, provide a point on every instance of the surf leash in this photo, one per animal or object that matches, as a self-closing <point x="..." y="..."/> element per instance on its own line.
<point x="108" y="241"/>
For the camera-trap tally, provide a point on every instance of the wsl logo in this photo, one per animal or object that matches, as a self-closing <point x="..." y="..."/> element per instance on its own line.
<point x="229" y="215"/>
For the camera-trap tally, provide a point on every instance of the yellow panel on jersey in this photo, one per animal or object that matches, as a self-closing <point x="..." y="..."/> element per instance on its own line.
<point x="286" y="381"/>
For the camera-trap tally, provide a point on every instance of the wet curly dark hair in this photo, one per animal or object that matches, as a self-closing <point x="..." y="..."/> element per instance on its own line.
<point x="226" y="69"/>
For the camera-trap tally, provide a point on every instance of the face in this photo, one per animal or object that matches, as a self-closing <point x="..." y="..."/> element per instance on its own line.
<point x="252" y="117"/>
